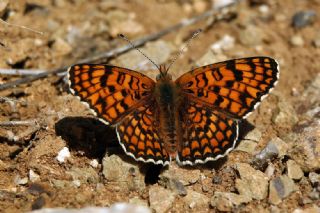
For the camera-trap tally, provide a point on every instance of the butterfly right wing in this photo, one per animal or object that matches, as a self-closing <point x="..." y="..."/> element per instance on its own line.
<point x="112" y="92"/>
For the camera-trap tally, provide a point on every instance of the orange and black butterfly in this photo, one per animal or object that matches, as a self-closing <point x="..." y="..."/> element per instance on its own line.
<point x="193" y="119"/>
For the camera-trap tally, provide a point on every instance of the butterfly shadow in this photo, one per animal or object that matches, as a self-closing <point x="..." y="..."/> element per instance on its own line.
<point x="94" y="139"/>
<point x="88" y="136"/>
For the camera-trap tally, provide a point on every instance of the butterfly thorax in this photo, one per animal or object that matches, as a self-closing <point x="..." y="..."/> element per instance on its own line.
<point x="168" y="100"/>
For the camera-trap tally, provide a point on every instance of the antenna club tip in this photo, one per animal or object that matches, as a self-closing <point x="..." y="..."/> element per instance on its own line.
<point x="198" y="31"/>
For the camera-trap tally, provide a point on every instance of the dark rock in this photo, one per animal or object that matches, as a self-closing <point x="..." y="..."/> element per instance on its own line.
<point x="303" y="18"/>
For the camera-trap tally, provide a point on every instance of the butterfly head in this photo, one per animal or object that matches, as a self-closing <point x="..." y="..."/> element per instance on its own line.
<point x="163" y="75"/>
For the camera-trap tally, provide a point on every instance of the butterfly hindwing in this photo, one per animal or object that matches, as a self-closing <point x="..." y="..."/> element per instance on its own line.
<point x="139" y="136"/>
<point x="112" y="92"/>
<point x="234" y="87"/>
<point x="207" y="134"/>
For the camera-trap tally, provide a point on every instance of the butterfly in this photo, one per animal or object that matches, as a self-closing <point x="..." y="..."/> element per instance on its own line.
<point x="193" y="119"/>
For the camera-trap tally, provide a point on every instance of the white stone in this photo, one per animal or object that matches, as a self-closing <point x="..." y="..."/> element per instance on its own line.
<point x="63" y="154"/>
<point x="297" y="41"/>
<point x="33" y="177"/>
<point x="94" y="163"/>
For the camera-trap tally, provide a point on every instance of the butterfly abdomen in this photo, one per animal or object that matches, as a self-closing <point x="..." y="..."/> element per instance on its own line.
<point x="167" y="100"/>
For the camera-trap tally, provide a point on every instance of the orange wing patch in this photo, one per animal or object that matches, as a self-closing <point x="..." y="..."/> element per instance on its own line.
<point x="234" y="87"/>
<point x="112" y="92"/>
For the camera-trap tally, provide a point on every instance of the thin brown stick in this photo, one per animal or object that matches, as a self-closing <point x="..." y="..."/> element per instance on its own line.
<point x="19" y="123"/>
<point x="21" y="71"/>
<point x="19" y="139"/>
<point x="138" y="42"/>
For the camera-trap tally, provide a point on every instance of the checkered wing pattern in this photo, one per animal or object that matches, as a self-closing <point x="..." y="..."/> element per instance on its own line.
<point x="112" y="92"/>
<point x="234" y="87"/>
<point x="139" y="135"/>
<point x="207" y="134"/>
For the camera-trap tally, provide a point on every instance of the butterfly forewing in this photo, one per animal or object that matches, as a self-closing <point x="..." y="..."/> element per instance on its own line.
<point x="112" y="92"/>
<point x="207" y="134"/>
<point x="234" y="87"/>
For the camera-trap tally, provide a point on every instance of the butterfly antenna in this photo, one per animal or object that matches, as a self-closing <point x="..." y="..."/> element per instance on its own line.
<point x="195" y="34"/>
<point x="21" y="26"/>
<point x="135" y="47"/>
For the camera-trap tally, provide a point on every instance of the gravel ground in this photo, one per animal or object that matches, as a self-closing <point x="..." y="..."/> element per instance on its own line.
<point x="63" y="157"/>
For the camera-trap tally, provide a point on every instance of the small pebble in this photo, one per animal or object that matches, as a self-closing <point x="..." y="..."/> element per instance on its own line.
<point x="63" y="154"/>
<point x="297" y="41"/>
<point x="216" y="180"/>
<point x="270" y="170"/>
<point x="94" y="163"/>
<point x="21" y="181"/>
<point x="314" y="179"/>
<point x="264" y="9"/>
<point x="281" y="146"/>
<point x="33" y="177"/>
<point x="260" y="161"/>
<point x="294" y="170"/>
<point x="303" y="18"/>
<point x="205" y="188"/>
<point x="77" y="183"/>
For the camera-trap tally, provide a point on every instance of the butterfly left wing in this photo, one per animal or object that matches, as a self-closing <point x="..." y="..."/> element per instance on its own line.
<point x="139" y="136"/>
<point x="234" y="87"/>
<point x="112" y="92"/>
<point x="207" y="134"/>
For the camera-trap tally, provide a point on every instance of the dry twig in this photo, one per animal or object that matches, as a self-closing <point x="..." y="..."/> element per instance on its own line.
<point x="21" y="71"/>
<point x="19" y="123"/>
